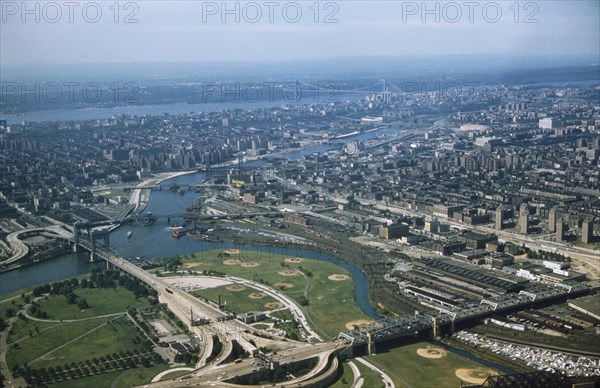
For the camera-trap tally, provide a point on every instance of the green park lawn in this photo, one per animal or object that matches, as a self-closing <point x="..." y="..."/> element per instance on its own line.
<point x="116" y="336"/>
<point x="371" y="378"/>
<point x="118" y="379"/>
<point x="101" y="301"/>
<point x="30" y="348"/>
<point x="102" y="380"/>
<point x="12" y="304"/>
<point x="238" y="301"/>
<point x="23" y="328"/>
<point x="331" y="303"/>
<point x="405" y="366"/>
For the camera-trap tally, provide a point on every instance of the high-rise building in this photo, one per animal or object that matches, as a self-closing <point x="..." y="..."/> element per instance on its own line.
<point x="552" y="220"/>
<point x="560" y="231"/>
<point x="499" y="217"/>
<point x="587" y="231"/>
<point x="524" y="219"/>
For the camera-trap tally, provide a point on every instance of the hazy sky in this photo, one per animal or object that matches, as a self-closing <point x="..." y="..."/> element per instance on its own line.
<point x="174" y="31"/>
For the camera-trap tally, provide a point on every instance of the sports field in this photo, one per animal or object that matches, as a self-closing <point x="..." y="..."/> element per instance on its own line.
<point x="328" y="288"/>
<point x="424" y="364"/>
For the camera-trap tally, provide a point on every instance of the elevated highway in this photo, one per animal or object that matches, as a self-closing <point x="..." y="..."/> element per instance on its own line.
<point x="184" y="305"/>
<point x="434" y="322"/>
<point x="21" y="249"/>
<point x="324" y="371"/>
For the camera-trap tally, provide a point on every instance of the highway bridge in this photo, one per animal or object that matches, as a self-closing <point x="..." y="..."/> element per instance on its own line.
<point x="185" y="305"/>
<point x="216" y="322"/>
<point x="190" y="309"/>
<point x="149" y="217"/>
<point x="88" y="226"/>
<point x="168" y="186"/>
<point x="433" y="323"/>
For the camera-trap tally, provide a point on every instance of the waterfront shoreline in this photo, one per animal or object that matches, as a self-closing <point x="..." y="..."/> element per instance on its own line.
<point x="137" y="197"/>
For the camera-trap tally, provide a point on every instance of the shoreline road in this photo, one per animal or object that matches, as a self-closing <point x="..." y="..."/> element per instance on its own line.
<point x="388" y="382"/>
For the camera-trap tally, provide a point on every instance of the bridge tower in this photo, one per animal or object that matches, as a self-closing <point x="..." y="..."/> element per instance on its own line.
<point x="75" y="236"/>
<point x="93" y="250"/>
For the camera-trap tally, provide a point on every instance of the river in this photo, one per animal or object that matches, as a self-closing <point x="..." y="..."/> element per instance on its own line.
<point x="51" y="270"/>
<point x="154" y="241"/>
<point x="98" y="113"/>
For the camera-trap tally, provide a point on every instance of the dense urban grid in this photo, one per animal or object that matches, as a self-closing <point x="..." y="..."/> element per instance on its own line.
<point x="469" y="207"/>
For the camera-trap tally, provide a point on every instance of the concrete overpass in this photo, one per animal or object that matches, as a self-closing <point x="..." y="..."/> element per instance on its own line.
<point x="324" y="372"/>
<point x="21" y="249"/>
<point x="183" y="304"/>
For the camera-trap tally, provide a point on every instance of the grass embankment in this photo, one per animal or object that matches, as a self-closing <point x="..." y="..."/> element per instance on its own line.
<point x="346" y="379"/>
<point x="371" y="378"/>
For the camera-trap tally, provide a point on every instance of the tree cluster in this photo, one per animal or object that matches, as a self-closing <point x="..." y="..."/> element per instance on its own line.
<point x="117" y="361"/>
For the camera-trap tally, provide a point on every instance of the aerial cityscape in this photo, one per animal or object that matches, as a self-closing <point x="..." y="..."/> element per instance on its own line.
<point x="308" y="194"/>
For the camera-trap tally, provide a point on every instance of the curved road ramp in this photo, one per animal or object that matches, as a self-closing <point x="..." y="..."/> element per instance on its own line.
<point x="321" y="375"/>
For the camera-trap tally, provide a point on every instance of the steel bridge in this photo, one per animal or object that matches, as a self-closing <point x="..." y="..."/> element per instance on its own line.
<point x="433" y="321"/>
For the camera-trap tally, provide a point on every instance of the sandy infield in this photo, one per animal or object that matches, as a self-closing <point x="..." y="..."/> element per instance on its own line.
<point x="191" y="265"/>
<point x="359" y="322"/>
<point x="476" y="375"/>
<point x="273" y="305"/>
<point x="283" y="285"/>
<point x="294" y="260"/>
<point x="256" y="295"/>
<point x="288" y="272"/>
<point x="232" y="251"/>
<point x="432" y="352"/>
<point x="338" y="277"/>
<point x="250" y="264"/>
<point x="231" y="262"/>
<point x="235" y="288"/>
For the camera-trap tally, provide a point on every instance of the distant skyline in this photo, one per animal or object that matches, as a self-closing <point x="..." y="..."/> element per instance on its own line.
<point x="193" y="31"/>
